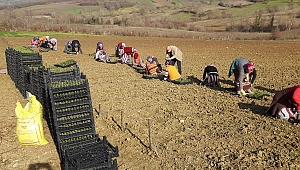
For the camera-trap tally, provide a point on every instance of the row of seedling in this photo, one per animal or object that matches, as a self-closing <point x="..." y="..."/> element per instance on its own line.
<point x="71" y="101"/>
<point x="74" y="117"/>
<point x="72" y="109"/>
<point x="76" y="131"/>
<point x="77" y="123"/>
<point x="67" y="83"/>
<point x="69" y="94"/>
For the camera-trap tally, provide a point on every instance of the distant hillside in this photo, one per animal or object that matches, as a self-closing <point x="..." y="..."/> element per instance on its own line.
<point x="9" y="2"/>
<point x="188" y="18"/>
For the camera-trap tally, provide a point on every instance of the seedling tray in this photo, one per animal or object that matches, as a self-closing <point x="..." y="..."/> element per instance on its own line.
<point x="112" y="62"/>
<point x="258" y="95"/>
<point x="150" y="76"/>
<point x="183" y="81"/>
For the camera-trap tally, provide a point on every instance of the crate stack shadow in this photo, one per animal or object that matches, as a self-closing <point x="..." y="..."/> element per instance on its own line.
<point x="67" y="107"/>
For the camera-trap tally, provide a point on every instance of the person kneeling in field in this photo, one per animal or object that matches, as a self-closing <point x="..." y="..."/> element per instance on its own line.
<point x="120" y="49"/>
<point x="171" y="73"/>
<point x="212" y="78"/>
<point x="101" y="54"/>
<point x="152" y="65"/>
<point x="137" y="60"/>
<point x="76" y="45"/>
<point x="34" y="42"/>
<point x="68" y="46"/>
<point x="244" y="75"/>
<point x="286" y="103"/>
<point x="289" y="114"/>
<point x="53" y="44"/>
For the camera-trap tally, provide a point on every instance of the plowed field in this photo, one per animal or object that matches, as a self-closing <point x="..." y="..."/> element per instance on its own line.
<point x="191" y="127"/>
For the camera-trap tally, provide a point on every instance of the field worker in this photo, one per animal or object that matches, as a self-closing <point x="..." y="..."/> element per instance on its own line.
<point x="152" y="65"/>
<point x="34" y="42"/>
<point x="99" y="46"/>
<point x="76" y="47"/>
<point x="53" y="44"/>
<point x="173" y="53"/>
<point x="127" y="53"/>
<point x="137" y="60"/>
<point x="244" y="75"/>
<point x="101" y="54"/>
<point x="68" y="46"/>
<point x="210" y="76"/>
<point x="120" y="49"/>
<point x="171" y="73"/>
<point x="44" y="40"/>
<point x="289" y="114"/>
<point x="286" y="98"/>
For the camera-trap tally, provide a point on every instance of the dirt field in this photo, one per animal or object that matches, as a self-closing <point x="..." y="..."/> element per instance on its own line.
<point x="192" y="127"/>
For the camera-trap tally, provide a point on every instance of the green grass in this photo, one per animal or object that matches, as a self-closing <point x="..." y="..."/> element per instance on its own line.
<point x="250" y="10"/>
<point x="181" y="16"/>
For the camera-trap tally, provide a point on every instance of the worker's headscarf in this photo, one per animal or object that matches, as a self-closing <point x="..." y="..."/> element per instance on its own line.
<point x="250" y="66"/>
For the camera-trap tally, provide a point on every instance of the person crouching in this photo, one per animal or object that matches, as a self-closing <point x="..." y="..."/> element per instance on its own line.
<point x="152" y="65"/>
<point x="171" y="73"/>
<point x="101" y="54"/>
<point x="212" y="78"/>
<point x="244" y="75"/>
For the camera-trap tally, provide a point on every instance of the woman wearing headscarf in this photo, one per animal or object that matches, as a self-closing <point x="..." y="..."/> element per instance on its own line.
<point x="68" y="46"/>
<point x="136" y="59"/>
<point x="171" y="73"/>
<point x="152" y="65"/>
<point x="101" y="54"/>
<point x="76" y="45"/>
<point x="244" y="75"/>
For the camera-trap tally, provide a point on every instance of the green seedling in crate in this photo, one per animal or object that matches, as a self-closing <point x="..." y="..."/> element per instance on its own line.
<point x="66" y="63"/>
<point x="25" y="50"/>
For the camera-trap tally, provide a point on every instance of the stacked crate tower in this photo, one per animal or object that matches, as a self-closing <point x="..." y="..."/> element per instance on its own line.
<point x="65" y="96"/>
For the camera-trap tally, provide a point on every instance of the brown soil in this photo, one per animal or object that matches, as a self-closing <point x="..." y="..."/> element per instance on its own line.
<point x="192" y="127"/>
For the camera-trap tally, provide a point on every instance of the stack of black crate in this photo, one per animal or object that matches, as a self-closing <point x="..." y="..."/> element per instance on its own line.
<point x="17" y="62"/>
<point x="36" y="85"/>
<point x="71" y="122"/>
<point x="65" y="96"/>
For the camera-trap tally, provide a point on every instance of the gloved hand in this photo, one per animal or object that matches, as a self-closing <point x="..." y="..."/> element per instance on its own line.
<point x="243" y="92"/>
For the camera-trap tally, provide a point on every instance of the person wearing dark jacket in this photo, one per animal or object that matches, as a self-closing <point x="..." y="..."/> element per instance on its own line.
<point x="212" y="78"/>
<point x="76" y="45"/>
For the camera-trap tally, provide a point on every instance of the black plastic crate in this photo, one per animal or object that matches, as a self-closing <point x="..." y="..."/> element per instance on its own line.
<point x="93" y="148"/>
<point x="97" y="155"/>
<point x="67" y="166"/>
<point x="68" y="85"/>
<point x="63" y="144"/>
<point x="72" y="102"/>
<point x="72" y="110"/>
<point x="71" y="94"/>
<point x="70" y="133"/>
<point x="63" y="119"/>
<point x="78" y="124"/>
